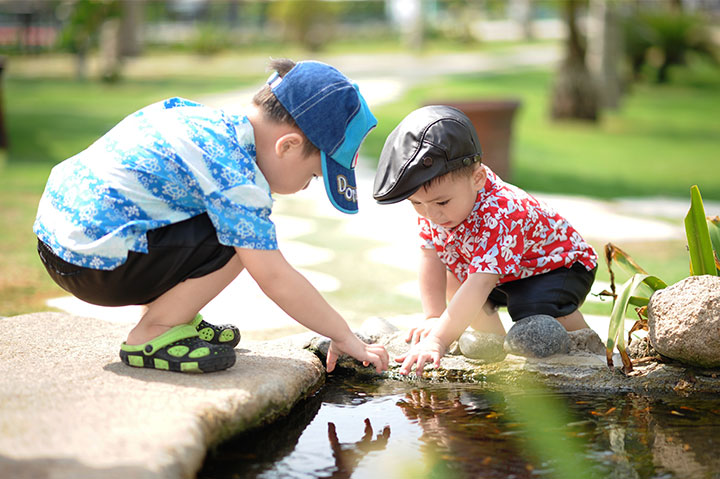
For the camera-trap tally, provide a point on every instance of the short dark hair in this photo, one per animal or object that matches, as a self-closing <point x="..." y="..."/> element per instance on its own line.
<point x="268" y="103"/>
<point x="463" y="171"/>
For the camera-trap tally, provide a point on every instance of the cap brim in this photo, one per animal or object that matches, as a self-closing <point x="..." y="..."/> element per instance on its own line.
<point x="340" y="185"/>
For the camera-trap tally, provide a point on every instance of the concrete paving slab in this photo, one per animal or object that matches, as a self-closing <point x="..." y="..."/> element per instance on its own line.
<point x="70" y="409"/>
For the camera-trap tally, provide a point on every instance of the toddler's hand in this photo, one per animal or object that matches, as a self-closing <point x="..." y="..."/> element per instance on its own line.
<point x="374" y="354"/>
<point x="426" y="351"/>
<point x="417" y="333"/>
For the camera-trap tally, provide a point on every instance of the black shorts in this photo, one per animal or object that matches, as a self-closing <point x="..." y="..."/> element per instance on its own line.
<point x="556" y="293"/>
<point x="180" y="251"/>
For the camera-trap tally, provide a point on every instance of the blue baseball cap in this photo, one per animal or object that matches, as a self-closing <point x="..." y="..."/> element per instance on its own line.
<point x="334" y="116"/>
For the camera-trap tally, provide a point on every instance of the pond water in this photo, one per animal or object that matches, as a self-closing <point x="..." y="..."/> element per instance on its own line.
<point x="399" y="429"/>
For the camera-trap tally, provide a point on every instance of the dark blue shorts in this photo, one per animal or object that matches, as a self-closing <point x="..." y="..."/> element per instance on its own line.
<point x="180" y="251"/>
<point x="556" y="293"/>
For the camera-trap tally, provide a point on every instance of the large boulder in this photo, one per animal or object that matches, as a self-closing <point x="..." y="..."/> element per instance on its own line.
<point x="684" y="321"/>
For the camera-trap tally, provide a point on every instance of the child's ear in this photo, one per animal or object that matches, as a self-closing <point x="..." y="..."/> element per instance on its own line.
<point x="288" y="143"/>
<point x="479" y="177"/>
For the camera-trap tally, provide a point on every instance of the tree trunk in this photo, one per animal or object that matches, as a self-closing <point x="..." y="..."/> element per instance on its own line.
<point x="131" y="23"/>
<point x="604" y="52"/>
<point x="574" y="94"/>
<point x="522" y="12"/>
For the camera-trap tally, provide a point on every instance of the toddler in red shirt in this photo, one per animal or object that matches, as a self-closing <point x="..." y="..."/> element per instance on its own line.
<point x="486" y="243"/>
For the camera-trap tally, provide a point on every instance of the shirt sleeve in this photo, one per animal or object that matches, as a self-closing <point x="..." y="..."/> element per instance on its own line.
<point x="425" y="232"/>
<point x="240" y="221"/>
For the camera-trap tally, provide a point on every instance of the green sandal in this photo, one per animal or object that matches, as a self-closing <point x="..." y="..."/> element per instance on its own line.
<point x="179" y="349"/>
<point x="223" y="334"/>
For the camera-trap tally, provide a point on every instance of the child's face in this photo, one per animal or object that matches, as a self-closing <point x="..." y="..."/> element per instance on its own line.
<point x="307" y="168"/>
<point x="291" y="169"/>
<point x="450" y="200"/>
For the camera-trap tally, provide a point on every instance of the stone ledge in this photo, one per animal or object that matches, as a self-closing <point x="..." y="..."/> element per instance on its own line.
<point x="579" y="371"/>
<point x="69" y="408"/>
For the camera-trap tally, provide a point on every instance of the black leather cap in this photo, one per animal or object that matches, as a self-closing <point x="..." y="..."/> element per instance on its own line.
<point x="429" y="142"/>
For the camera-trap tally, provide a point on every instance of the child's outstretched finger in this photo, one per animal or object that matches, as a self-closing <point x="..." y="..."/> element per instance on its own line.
<point x="331" y="359"/>
<point x="383" y="358"/>
<point x="421" y="360"/>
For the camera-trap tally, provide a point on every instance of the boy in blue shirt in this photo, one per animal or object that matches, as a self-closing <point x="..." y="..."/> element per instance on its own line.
<point x="169" y="206"/>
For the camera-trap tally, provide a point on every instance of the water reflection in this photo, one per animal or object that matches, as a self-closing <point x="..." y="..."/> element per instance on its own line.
<point x="348" y="455"/>
<point x="465" y="433"/>
<point x="395" y="429"/>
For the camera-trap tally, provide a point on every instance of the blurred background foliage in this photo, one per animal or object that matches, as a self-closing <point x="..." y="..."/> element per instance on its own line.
<point x="630" y="108"/>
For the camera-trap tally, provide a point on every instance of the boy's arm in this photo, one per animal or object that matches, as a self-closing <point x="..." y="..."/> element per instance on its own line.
<point x="464" y="307"/>
<point x="297" y="297"/>
<point x="432" y="277"/>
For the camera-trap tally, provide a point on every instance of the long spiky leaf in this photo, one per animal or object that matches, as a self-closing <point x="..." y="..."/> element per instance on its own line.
<point x="626" y="295"/>
<point x="702" y="260"/>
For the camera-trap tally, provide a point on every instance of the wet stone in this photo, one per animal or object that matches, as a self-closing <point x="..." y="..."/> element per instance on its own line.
<point x="586" y="341"/>
<point x="537" y="336"/>
<point x="487" y="347"/>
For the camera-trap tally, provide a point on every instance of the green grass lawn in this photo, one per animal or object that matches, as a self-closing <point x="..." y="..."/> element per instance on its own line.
<point x="663" y="140"/>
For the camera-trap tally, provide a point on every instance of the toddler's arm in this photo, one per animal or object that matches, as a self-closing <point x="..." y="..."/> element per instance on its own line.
<point x="432" y="276"/>
<point x="297" y="297"/>
<point x="465" y="306"/>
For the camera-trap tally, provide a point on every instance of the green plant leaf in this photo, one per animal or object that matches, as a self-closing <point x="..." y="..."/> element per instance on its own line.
<point x="639" y="300"/>
<point x="626" y="296"/>
<point x="700" y="246"/>
<point x="713" y="223"/>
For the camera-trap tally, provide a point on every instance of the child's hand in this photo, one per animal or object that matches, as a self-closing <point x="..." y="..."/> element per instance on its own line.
<point x="417" y="333"/>
<point x="430" y="349"/>
<point x="367" y="353"/>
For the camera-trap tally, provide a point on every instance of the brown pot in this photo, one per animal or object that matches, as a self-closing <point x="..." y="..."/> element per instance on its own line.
<point x="493" y="123"/>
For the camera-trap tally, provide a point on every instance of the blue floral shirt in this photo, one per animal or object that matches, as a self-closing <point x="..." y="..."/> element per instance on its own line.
<point x="166" y="163"/>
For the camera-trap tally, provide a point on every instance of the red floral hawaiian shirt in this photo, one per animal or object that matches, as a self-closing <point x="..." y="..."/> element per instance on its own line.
<point x="509" y="233"/>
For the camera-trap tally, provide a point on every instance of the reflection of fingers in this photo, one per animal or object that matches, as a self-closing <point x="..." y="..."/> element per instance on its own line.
<point x="332" y="433"/>
<point x="368" y="431"/>
<point x="386" y="432"/>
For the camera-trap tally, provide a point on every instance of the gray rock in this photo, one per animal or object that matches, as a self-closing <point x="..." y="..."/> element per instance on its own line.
<point x="375" y="327"/>
<point x="684" y="321"/>
<point x="537" y="336"/>
<point x="586" y="341"/>
<point x="486" y="347"/>
<point x="641" y="348"/>
<point x="71" y="409"/>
